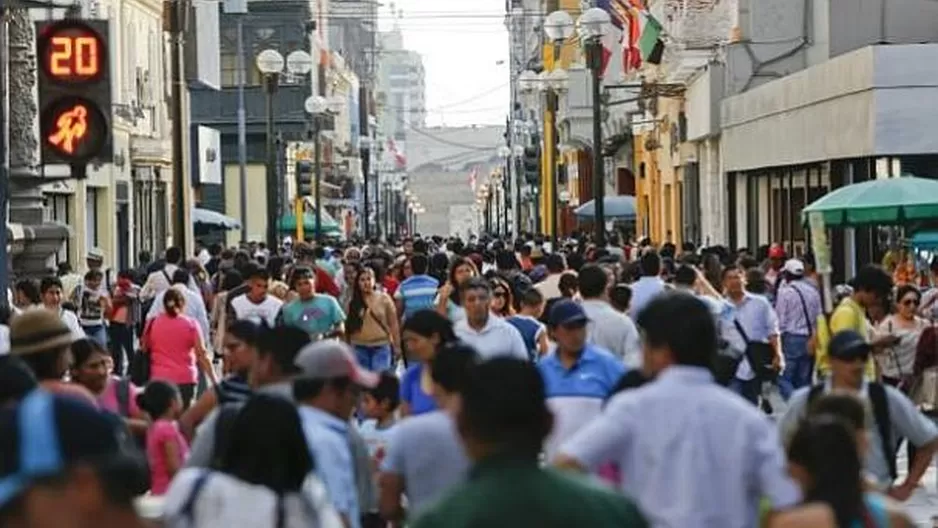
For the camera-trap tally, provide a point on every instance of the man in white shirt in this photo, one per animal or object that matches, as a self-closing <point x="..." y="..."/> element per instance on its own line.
<point x="491" y="336"/>
<point x="161" y="280"/>
<point x="550" y="286"/>
<point x="256" y="304"/>
<point x="607" y="328"/>
<point x="50" y="289"/>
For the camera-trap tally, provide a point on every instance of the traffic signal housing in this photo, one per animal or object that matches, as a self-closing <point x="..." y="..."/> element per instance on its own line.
<point x="304" y="178"/>
<point x="532" y="165"/>
<point x="74" y="91"/>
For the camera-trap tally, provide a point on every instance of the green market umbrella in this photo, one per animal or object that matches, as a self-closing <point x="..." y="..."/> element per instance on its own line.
<point x="890" y="201"/>
<point x="329" y="225"/>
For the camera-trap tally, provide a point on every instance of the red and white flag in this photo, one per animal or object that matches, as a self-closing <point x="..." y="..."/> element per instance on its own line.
<point x="400" y="161"/>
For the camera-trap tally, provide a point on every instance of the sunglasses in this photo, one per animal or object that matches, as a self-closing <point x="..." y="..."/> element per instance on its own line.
<point x="910" y="302"/>
<point x="501" y="294"/>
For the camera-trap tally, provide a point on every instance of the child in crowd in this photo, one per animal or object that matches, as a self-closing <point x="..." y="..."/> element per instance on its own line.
<point x="379" y="406"/>
<point x="167" y="448"/>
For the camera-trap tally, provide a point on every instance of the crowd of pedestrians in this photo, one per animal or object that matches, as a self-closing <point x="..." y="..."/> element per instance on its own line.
<point x="443" y="383"/>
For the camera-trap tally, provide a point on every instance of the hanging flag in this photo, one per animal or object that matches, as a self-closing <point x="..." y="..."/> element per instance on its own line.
<point x="650" y="42"/>
<point x="473" y="174"/>
<point x="400" y="161"/>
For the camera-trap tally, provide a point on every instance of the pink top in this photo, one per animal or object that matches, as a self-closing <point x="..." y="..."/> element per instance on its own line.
<point x="107" y="400"/>
<point x="159" y="434"/>
<point x="171" y="342"/>
<point x="610" y="474"/>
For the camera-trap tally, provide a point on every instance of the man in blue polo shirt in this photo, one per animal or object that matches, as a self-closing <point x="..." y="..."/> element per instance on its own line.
<point x="419" y="290"/>
<point x="578" y="376"/>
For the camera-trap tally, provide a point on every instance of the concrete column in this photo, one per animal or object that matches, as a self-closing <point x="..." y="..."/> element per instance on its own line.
<point x="42" y="239"/>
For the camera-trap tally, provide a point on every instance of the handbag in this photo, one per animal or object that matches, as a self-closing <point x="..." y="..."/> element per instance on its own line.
<point x="759" y="355"/>
<point x="140" y="364"/>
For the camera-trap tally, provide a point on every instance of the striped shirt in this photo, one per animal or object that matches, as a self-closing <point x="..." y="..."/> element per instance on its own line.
<point x="234" y="389"/>
<point x="417" y="293"/>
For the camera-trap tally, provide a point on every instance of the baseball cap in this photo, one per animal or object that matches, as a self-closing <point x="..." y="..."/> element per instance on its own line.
<point x="330" y="359"/>
<point x="776" y="251"/>
<point x="794" y="267"/>
<point x="848" y="344"/>
<point x="566" y="313"/>
<point x="46" y="434"/>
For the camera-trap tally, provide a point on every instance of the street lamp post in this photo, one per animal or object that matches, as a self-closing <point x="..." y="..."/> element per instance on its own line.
<point x="504" y="153"/>
<point x="517" y="152"/>
<point x="558" y="26"/>
<point x="315" y="106"/>
<point x="593" y="24"/>
<point x="271" y="64"/>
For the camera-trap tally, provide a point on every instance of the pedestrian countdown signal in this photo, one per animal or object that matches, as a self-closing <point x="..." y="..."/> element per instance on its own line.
<point x="74" y="91"/>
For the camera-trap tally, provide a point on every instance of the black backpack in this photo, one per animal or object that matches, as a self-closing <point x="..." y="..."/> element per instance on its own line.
<point x="880" y="403"/>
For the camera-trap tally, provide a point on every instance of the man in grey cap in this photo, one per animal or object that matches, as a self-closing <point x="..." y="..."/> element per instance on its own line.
<point x="327" y="392"/>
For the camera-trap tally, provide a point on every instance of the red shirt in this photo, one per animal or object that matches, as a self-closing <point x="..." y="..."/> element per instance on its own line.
<point x="325" y="283"/>
<point x="390" y="285"/>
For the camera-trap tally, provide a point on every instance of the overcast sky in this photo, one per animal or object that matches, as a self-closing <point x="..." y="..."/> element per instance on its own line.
<point x="464" y="44"/>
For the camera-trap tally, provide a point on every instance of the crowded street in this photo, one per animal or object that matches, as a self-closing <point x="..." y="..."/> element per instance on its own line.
<point x="466" y="264"/>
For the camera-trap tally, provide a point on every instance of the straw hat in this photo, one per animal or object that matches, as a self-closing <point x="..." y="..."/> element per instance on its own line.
<point x="38" y="330"/>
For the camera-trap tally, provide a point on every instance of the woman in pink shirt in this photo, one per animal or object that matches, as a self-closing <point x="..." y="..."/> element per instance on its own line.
<point x="167" y="449"/>
<point x="91" y="368"/>
<point x="175" y="345"/>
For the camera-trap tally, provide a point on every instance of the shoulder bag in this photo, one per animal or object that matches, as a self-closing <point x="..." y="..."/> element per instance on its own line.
<point x="140" y="364"/>
<point x="759" y="355"/>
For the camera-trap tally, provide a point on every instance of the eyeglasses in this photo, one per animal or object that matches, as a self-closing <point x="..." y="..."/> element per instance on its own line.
<point x="910" y="302"/>
<point x="501" y="294"/>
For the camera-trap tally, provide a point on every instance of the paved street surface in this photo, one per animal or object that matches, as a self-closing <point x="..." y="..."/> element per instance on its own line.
<point x="924" y="504"/>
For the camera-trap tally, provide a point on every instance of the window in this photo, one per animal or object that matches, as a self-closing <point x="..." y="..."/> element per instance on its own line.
<point x="57" y="210"/>
<point x="229" y="69"/>
<point x="91" y="217"/>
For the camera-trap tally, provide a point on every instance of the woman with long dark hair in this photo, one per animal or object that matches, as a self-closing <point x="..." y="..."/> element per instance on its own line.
<point x="824" y="459"/>
<point x="263" y="479"/>
<point x="448" y="300"/>
<point x="503" y="301"/>
<point x="371" y="324"/>
<point x="423" y="334"/>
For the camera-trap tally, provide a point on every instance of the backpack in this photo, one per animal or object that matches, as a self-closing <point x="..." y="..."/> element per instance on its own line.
<point x="880" y="403"/>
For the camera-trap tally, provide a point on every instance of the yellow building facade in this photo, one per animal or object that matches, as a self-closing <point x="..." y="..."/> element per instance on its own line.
<point x="659" y="174"/>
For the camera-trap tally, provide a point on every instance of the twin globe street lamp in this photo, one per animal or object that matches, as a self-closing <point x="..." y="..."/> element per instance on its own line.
<point x="318" y="107"/>
<point x="271" y="65"/>
<point x="559" y="27"/>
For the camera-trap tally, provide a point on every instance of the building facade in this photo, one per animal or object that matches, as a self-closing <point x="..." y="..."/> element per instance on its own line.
<point x="401" y="86"/>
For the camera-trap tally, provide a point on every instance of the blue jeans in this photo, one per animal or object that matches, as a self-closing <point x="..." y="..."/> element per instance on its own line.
<point x="374" y="358"/>
<point x="98" y="333"/>
<point x="798" y="364"/>
<point x="749" y="389"/>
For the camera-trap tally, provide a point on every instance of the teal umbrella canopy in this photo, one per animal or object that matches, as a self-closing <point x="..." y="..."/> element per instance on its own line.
<point x="891" y="201"/>
<point x="614" y="207"/>
<point x="329" y="226"/>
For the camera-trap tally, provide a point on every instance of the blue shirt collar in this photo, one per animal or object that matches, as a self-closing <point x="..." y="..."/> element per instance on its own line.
<point x="686" y="375"/>
<point x="323" y="418"/>
<point x="588" y="355"/>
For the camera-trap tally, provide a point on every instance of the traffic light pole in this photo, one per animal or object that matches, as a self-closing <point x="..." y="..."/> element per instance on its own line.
<point x="180" y="226"/>
<point x="317" y="126"/>
<point x="4" y="158"/>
